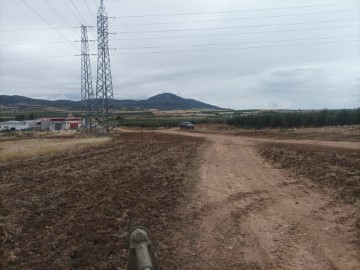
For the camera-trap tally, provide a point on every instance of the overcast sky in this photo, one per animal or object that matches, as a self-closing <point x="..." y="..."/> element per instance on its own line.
<point x="237" y="54"/>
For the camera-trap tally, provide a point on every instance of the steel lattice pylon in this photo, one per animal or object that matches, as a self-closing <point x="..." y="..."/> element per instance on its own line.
<point x="104" y="100"/>
<point x="87" y="93"/>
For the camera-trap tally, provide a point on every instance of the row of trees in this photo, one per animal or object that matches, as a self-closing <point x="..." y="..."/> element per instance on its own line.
<point x="35" y="115"/>
<point x="166" y="121"/>
<point x="22" y="117"/>
<point x="296" y="119"/>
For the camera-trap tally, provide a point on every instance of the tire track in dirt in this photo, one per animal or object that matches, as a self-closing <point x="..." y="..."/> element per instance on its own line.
<point x="254" y="216"/>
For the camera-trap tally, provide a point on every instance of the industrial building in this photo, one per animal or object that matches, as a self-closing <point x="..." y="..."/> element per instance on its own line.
<point x="43" y="124"/>
<point x="63" y="123"/>
<point x="14" y="125"/>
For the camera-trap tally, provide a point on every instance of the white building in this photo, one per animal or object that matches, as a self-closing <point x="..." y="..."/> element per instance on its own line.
<point x="34" y="124"/>
<point x="14" y="125"/>
<point x="43" y="124"/>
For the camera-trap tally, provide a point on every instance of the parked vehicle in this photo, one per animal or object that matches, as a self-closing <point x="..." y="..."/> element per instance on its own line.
<point x="186" y="125"/>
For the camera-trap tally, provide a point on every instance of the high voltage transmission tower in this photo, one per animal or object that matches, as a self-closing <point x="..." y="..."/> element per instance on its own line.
<point x="87" y="93"/>
<point x="104" y="99"/>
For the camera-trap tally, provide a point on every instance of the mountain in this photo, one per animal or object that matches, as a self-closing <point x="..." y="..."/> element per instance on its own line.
<point x="165" y="101"/>
<point x="27" y="102"/>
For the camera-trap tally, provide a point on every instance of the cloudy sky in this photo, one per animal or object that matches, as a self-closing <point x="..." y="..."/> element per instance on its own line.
<point x="230" y="53"/>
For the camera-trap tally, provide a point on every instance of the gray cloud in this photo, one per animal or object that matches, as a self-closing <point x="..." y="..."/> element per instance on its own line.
<point x="278" y="76"/>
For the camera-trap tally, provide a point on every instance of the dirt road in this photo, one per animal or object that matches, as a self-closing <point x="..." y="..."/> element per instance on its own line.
<point x="254" y="216"/>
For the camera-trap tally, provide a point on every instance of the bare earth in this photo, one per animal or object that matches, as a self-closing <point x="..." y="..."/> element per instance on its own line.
<point x="254" y="216"/>
<point x="209" y="204"/>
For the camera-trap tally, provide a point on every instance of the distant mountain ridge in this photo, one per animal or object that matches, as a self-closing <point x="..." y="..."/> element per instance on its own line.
<point x="165" y="101"/>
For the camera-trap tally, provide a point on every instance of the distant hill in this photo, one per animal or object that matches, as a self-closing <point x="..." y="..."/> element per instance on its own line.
<point x="165" y="101"/>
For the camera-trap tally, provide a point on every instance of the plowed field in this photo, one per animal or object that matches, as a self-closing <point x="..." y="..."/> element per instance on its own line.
<point x="73" y="210"/>
<point x="335" y="168"/>
<point x="210" y="199"/>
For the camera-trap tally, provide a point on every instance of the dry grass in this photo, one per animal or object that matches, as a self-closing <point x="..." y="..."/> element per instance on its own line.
<point x="22" y="149"/>
<point x="22" y="135"/>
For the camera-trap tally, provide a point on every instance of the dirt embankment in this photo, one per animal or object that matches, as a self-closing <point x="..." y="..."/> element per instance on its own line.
<point x="72" y="211"/>
<point x="337" y="168"/>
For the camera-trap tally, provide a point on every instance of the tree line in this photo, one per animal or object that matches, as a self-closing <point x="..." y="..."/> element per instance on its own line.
<point x="165" y="121"/>
<point x="296" y="119"/>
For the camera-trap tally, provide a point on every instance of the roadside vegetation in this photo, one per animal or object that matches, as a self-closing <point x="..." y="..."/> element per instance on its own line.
<point x="297" y="119"/>
<point x="168" y="119"/>
<point x="167" y="122"/>
<point x="334" y="133"/>
<point x="16" y="148"/>
<point x="21" y="115"/>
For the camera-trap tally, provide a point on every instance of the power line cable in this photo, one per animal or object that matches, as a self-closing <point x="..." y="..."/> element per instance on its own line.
<point x="199" y="29"/>
<point x="233" y="19"/>
<point x="242" y="48"/>
<point x="96" y="4"/>
<point x="242" y="33"/>
<point x="38" y="58"/>
<point x="97" y="7"/>
<point x="42" y="18"/>
<point x="246" y="26"/>
<point x="35" y="29"/>
<point x="232" y="43"/>
<point x="231" y="11"/>
<point x="89" y="10"/>
<point x="230" y="27"/>
<point x="84" y="22"/>
<point x="60" y="16"/>
<point x="95" y="19"/>
<point x="233" y="34"/>
<point x="79" y="20"/>
<point x="40" y="43"/>
<point x="190" y="36"/>
<point x="202" y="50"/>
<point x="71" y="11"/>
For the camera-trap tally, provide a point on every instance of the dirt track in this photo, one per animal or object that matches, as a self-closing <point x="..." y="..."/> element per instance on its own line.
<point x="236" y="212"/>
<point x="254" y="216"/>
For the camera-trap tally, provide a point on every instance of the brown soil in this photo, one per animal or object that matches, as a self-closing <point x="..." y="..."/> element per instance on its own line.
<point x="351" y="134"/>
<point x="73" y="210"/>
<point x="237" y="211"/>
<point x="346" y="133"/>
<point x="337" y="168"/>
<point x="255" y="216"/>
